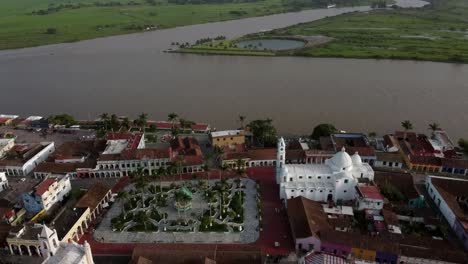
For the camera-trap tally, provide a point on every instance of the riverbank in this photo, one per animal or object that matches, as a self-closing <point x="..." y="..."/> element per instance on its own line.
<point x="25" y="23"/>
<point x="433" y="33"/>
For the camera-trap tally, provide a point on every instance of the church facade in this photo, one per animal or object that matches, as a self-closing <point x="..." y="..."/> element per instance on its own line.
<point x="334" y="180"/>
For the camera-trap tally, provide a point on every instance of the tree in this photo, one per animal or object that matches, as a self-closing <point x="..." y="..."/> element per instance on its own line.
<point x="126" y="123"/>
<point x="240" y="167"/>
<point x="62" y="119"/>
<point x="185" y="124"/>
<point x="434" y="127"/>
<point x="113" y="122"/>
<point x="159" y="173"/>
<point x="173" y="117"/>
<point x="180" y="161"/>
<point x="223" y="169"/>
<point x="141" y="121"/>
<point x="407" y="125"/>
<point x="263" y="132"/>
<point x="105" y="120"/>
<point x="323" y="130"/>
<point x="463" y="144"/>
<point x="51" y="31"/>
<point x="241" y="120"/>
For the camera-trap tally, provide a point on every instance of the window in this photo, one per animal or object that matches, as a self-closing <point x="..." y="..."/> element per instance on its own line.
<point x="292" y="190"/>
<point x="390" y="164"/>
<point x="346" y="181"/>
<point x="345" y="191"/>
<point x="290" y="179"/>
<point x="300" y="177"/>
<point x="384" y="163"/>
<point x="330" y="191"/>
<point x="311" y="190"/>
<point x="328" y="177"/>
<point x="45" y="245"/>
<point x="302" y="190"/>
<point x="310" y="177"/>
<point x="231" y="138"/>
<point x="321" y="190"/>
<point x="54" y="243"/>
<point x="319" y="177"/>
<point x="217" y="139"/>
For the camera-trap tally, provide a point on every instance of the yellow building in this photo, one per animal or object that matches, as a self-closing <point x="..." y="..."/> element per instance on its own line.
<point x="227" y="138"/>
<point x="364" y="254"/>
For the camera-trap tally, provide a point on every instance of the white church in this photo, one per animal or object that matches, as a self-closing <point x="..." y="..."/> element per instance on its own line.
<point x="334" y="180"/>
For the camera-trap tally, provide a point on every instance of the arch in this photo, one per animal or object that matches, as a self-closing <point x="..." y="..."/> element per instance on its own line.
<point x="330" y="197"/>
<point x="34" y="251"/>
<point x="23" y="250"/>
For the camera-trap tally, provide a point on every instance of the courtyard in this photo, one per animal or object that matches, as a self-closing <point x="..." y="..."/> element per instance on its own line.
<point x="195" y="211"/>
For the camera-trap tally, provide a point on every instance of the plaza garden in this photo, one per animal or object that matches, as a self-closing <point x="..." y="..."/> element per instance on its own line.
<point x="226" y="210"/>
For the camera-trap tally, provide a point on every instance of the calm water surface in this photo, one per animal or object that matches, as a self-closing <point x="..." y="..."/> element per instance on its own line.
<point x="130" y="74"/>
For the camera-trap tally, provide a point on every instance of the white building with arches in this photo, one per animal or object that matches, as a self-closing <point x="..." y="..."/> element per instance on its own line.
<point x="334" y="180"/>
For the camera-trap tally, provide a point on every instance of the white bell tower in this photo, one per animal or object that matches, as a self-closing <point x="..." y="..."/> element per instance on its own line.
<point x="280" y="159"/>
<point x="49" y="242"/>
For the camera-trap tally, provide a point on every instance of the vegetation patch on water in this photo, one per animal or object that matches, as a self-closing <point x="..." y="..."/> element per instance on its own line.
<point x="252" y="45"/>
<point x="436" y="32"/>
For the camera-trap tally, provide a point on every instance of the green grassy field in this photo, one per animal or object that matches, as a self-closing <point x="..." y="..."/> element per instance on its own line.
<point x="436" y="33"/>
<point x="23" y="22"/>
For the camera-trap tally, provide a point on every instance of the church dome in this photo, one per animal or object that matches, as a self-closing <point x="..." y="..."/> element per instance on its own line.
<point x="356" y="159"/>
<point x="341" y="160"/>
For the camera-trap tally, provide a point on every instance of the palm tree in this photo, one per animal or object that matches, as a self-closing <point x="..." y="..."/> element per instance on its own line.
<point x="142" y="120"/>
<point x="180" y="161"/>
<point x="126" y="123"/>
<point x="206" y="169"/>
<point x="159" y="173"/>
<point x="240" y="167"/>
<point x="241" y="120"/>
<point x="172" y="169"/>
<point x="407" y="125"/>
<point x="104" y="119"/>
<point x="223" y="169"/>
<point x="172" y="117"/>
<point x="434" y="127"/>
<point x="113" y="122"/>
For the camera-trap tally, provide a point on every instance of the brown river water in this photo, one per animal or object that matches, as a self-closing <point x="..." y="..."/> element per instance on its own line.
<point x="130" y="74"/>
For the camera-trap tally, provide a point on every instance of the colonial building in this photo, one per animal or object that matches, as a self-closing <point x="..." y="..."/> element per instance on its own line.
<point x="23" y="158"/>
<point x="451" y="197"/>
<point x="46" y="194"/>
<point x="3" y="181"/>
<point x="5" y="145"/>
<point x="369" y="198"/>
<point x="68" y="253"/>
<point x="33" y="240"/>
<point x="335" y="180"/>
<point x="391" y="160"/>
<point x="227" y="138"/>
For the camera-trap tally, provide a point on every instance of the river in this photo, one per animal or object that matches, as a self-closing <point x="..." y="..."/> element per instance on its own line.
<point x="129" y="74"/>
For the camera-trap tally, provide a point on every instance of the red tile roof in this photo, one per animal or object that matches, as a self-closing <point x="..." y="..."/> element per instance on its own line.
<point x="262" y="154"/>
<point x="147" y="153"/>
<point x="370" y="192"/>
<point x="133" y="139"/>
<point x="93" y="196"/>
<point x="44" y="186"/>
<point x="187" y="146"/>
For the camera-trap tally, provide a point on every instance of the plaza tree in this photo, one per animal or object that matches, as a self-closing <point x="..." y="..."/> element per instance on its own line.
<point x="323" y="130"/>
<point x="263" y="132"/>
<point x="224" y="168"/>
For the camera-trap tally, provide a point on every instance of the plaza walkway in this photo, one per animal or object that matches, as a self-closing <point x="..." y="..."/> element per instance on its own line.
<point x="275" y="222"/>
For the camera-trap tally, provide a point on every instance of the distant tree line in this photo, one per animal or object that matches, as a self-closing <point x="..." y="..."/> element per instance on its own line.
<point x="56" y="8"/>
<point x="194" y="2"/>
